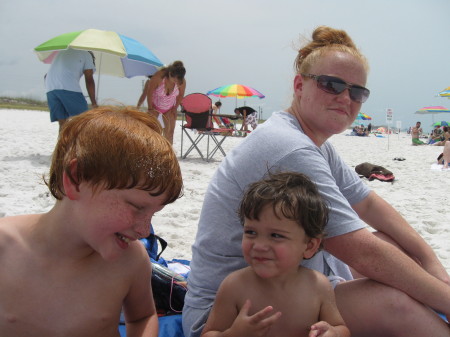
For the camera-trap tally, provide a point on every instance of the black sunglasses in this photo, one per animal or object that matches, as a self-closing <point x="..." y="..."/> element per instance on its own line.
<point x="335" y="85"/>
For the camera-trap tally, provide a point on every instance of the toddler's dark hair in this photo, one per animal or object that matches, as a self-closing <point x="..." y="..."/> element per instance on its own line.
<point x="292" y="196"/>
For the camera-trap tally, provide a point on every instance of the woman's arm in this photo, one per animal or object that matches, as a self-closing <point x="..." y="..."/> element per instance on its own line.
<point x="385" y="263"/>
<point x="144" y="94"/>
<point x="377" y="213"/>
<point x="180" y="96"/>
<point x="154" y="82"/>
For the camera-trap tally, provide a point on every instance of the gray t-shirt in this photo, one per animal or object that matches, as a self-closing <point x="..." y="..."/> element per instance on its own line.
<point x="279" y="144"/>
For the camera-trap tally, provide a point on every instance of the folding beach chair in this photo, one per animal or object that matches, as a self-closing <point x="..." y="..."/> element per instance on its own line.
<point x="197" y="109"/>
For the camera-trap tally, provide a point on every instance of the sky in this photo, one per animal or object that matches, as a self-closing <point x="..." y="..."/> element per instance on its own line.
<point x="250" y="42"/>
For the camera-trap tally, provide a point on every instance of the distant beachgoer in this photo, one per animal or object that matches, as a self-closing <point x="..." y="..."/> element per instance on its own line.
<point x="416" y="131"/>
<point x="446" y="154"/>
<point x="445" y="136"/>
<point x="369" y="128"/>
<point x="215" y="110"/>
<point x="64" y="95"/>
<point x="165" y="92"/>
<point x="249" y="117"/>
<point x="435" y="135"/>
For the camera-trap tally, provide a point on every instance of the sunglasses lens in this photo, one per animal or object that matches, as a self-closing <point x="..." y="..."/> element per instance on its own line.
<point x="332" y="85"/>
<point x="359" y="94"/>
<point x="335" y="86"/>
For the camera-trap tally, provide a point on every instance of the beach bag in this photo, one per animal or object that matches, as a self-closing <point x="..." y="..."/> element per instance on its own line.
<point x="169" y="289"/>
<point x="151" y="245"/>
<point x="371" y="172"/>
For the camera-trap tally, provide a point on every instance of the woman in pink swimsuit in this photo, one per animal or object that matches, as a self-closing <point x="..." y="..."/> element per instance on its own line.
<point x="165" y="91"/>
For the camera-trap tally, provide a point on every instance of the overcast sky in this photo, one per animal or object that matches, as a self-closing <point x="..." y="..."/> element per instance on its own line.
<point x="250" y="42"/>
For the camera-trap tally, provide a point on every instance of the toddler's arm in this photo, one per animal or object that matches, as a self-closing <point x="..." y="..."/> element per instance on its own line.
<point x="332" y="324"/>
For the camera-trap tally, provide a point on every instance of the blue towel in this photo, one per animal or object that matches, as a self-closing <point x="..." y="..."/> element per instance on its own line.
<point x="169" y="326"/>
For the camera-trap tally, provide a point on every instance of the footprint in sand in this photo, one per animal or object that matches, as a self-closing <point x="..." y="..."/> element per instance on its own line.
<point x="196" y="172"/>
<point x="432" y="227"/>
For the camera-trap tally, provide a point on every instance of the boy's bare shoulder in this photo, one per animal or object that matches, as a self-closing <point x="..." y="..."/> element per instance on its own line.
<point x="12" y="227"/>
<point x="19" y="219"/>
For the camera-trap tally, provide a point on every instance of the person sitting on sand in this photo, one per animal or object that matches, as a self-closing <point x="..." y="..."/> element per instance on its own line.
<point x="284" y="218"/>
<point x="362" y="132"/>
<point x="444" y="137"/>
<point x="444" y="157"/>
<point x="396" y="296"/>
<point x="446" y="154"/>
<point x="435" y="135"/>
<point x="111" y="171"/>
<point x="215" y="110"/>
<point x="416" y="131"/>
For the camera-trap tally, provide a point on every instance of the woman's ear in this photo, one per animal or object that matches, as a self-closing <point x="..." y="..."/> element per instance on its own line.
<point x="298" y="84"/>
<point x="312" y="247"/>
<point x="70" y="184"/>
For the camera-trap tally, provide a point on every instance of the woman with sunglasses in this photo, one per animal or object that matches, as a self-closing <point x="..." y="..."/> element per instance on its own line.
<point x="394" y="297"/>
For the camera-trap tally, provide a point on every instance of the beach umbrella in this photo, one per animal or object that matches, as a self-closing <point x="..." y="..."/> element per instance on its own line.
<point x="115" y="54"/>
<point x="445" y="92"/>
<point x="381" y="130"/>
<point x="235" y="90"/>
<point x="363" y="116"/>
<point x="432" y="110"/>
<point x="441" y="123"/>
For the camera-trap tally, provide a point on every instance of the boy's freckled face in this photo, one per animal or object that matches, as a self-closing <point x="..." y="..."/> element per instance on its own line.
<point x="273" y="246"/>
<point x="115" y="218"/>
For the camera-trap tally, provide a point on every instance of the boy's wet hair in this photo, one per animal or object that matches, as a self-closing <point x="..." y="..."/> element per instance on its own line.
<point x="116" y="148"/>
<point x="292" y="196"/>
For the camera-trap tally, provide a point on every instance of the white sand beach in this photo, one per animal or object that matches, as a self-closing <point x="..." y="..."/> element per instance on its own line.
<point x="419" y="193"/>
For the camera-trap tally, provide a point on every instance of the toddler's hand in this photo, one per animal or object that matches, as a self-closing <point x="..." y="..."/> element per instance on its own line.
<point x="321" y="329"/>
<point x="256" y="325"/>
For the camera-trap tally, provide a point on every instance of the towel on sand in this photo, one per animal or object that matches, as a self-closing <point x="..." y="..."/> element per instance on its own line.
<point x="371" y="172"/>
